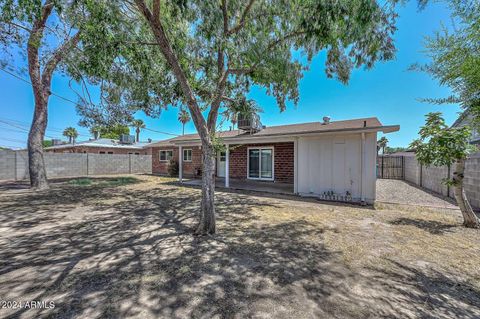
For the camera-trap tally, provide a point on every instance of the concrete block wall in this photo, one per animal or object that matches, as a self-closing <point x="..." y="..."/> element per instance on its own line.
<point x="472" y="180"/>
<point x="14" y="165"/>
<point x="432" y="177"/>
<point x="7" y="165"/>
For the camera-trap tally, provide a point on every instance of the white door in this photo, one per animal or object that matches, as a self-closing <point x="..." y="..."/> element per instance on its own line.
<point x="221" y="158"/>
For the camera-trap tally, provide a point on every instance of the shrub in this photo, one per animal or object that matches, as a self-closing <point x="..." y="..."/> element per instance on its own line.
<point x="173" y="168"/>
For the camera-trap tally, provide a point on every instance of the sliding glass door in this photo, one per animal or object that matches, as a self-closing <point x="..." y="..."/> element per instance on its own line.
<point x="260" y="163"/>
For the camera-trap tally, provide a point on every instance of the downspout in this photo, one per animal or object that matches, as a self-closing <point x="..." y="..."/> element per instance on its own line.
<point x="362" y="169"/>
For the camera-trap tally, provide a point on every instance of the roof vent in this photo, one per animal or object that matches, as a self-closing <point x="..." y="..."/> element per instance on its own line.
<point x="326" y="120"/>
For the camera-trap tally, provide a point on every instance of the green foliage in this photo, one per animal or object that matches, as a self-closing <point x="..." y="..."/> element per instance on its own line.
<point x="440" y="145"/>
<point x="138" y="124"/>
<point x="173" y="168"/>
<point x="71" y="133"/>
<point x="183" y="116"/>
<point x="455" y="57"/>
<point x="270" y="48"/>
<point x="114" y="132"/>
<point x="47" y="143"/>
<point x="391" y="150"/>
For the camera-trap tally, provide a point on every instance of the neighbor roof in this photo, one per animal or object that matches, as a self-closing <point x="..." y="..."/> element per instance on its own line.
<point x="101" y="142"/>
<point x="292" y="129"/>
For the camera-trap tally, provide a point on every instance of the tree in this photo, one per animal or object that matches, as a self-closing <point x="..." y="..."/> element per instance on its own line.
<point x="391" y="150"/>
<point x="440" y="145"/>
<point x="455" y="58"/>
<point x="381" y="144"/>
<point x="47" y="143"/>
<point x="71" y="133"/>
<point x="206" y="55"/>
<point x="138" y="125"/>
<point x="95" y="130"/>
<point x="184" y="118"/>
<point x="114" y="132"/>
<point x="33" y="26"/>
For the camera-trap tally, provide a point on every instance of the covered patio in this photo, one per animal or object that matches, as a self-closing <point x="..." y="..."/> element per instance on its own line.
<point x="249" y="185"/>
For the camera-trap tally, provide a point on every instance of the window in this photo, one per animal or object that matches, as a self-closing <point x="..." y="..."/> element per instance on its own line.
<point x="101" y="152"/>
<point x="110" y="152"/>
<point x="166" y="156"/>
<point x="260" y="163"/>
<point x="187" y="155"/>
<point x="137" y="153"/>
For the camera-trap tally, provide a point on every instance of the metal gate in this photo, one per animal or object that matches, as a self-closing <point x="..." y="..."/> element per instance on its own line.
<point x="390" y="167"/>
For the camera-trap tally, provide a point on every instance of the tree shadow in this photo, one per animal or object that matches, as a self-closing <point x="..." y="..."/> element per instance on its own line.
<point x="431" y="226"/>
<point x="136" y="257"/>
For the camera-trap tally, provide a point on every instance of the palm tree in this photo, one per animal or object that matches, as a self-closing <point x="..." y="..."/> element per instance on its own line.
<point x="95" y="130"/>
<point x="381" y="144"/>
<point x="138" y="125"/>
<point x="184" y="118"/>
<point x="71" y="133"/>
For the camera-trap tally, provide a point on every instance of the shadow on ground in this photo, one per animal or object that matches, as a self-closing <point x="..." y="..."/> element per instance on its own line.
<point x="114" y="252"/>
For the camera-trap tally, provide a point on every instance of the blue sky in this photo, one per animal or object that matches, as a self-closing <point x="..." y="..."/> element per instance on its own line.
<point x="388" y="91"/>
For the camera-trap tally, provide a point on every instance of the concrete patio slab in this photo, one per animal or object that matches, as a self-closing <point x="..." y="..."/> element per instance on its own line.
<point x="249" y="185"/>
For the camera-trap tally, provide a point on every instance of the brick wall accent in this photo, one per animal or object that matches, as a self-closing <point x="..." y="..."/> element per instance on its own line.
<point x="97" y="150"/>
<point x="283" y="161"/>
<point x="189" y="168"/>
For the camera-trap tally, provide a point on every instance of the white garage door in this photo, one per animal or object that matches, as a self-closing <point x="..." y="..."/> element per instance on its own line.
<point x="329" y="164"/>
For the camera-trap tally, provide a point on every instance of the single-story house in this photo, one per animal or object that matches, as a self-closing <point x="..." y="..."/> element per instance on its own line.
<point x="101" y="146"/>
<point x="329" y="158"/>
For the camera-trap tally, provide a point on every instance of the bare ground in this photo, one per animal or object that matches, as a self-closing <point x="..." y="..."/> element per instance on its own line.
<point x="125" y="249"/>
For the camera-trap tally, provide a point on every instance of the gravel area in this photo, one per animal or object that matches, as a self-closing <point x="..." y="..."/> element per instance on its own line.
<point x="401" y="192"/>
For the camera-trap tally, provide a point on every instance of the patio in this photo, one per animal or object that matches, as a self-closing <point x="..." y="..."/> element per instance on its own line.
<point x="249" y="185"/>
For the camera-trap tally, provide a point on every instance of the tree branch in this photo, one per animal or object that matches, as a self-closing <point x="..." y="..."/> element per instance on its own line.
<point x="225" y="16"/>
<point x="156" y="10"/>
<point x="172" y="60"/>
<point x="57" y="56"/>
<point x="33" y="44"/>
<point x="243" y="17"/>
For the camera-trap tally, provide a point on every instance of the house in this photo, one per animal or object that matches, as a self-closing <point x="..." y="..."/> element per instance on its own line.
<point x="100" y="146"/>
<point x="466" y="119"/>
<point x="329" y="158"/>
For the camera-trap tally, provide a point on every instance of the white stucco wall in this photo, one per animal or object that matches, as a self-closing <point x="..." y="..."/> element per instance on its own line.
<point x="334" y="163"/>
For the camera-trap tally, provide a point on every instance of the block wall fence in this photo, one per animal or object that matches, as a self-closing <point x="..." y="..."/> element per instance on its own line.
<point x="14" y="164"/>
<point x="431" y="177"/>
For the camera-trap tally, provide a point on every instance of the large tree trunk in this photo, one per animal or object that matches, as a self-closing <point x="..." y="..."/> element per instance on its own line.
<point x="38" y="175"/>
<point x="206" y="223"/>
<point x="470" y="220"/>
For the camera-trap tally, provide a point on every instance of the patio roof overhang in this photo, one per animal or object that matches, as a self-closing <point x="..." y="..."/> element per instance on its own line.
<point x="290" y="137"/>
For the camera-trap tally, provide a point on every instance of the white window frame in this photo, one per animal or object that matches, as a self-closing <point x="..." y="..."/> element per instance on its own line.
<point x="191" y="155"/>
<point x="260" y="164"/>
<point x="166" y="157"/>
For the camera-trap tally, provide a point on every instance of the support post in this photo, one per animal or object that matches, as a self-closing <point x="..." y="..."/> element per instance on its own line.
<point x="362" y="172"/>
<point x="295" y="166"/>
<point x="180" y="164"/>
<point x="15" y="165"/>
<point x="227" y="165"/>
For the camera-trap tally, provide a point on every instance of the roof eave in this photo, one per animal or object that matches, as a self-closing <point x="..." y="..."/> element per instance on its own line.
<point x="246" y="138"/>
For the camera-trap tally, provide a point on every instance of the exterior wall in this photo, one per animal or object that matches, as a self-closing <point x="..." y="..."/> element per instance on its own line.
<point x="432" y="177"/>
<point x="14" y="165"/>
<point x="161" y="167"/>
<point x="334" y="163"/>
<point x="283" y="161"/>
<point x="97" y="150"/>
<point x="283" y="157"/>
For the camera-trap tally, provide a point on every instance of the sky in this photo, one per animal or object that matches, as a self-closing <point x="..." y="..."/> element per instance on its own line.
<point x="388" y="91"/>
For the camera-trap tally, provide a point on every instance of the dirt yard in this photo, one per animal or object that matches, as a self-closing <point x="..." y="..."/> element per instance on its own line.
<point x="123" y="248"/>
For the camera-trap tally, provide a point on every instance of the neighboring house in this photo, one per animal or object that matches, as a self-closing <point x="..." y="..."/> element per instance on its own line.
<point x="466" y="119"/>
<point x="101" y="146"/>
<point x="316" y="157"/>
